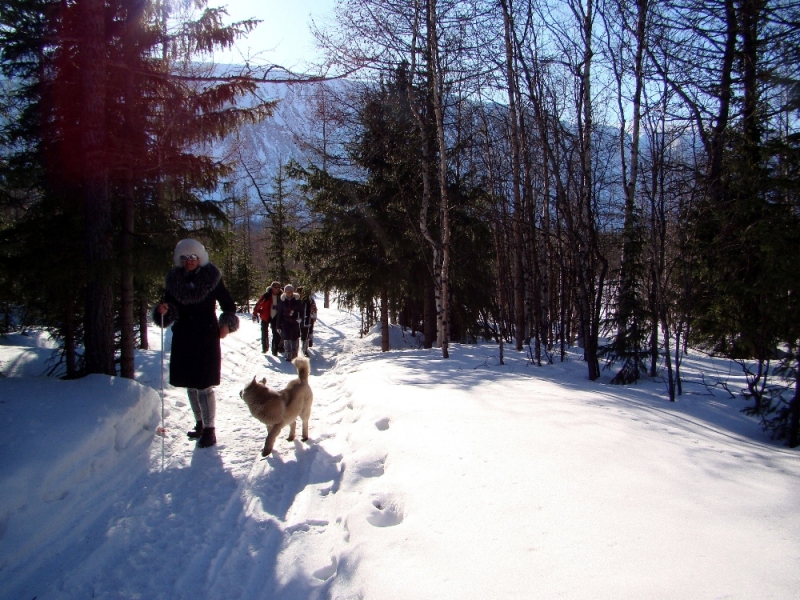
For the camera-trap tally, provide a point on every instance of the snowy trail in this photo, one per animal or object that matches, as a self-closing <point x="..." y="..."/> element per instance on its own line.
<point x="198" y="519"/>
<point x="228" y="510"/>
<point x="422" y="479"/>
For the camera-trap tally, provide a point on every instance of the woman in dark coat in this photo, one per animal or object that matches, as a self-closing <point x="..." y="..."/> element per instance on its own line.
<point x="288" y="315"/>
<point x="193" y="288"/>
<point x="308" y="316"/>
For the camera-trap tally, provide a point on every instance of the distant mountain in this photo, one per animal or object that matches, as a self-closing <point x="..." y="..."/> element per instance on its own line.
<point x="294" y="131"/>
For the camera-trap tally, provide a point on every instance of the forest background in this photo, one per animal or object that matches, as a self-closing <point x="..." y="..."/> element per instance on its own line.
<point x="619" y="176"/>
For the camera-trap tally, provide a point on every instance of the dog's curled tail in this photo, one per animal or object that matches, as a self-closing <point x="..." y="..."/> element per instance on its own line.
<point x="303" y="367"/>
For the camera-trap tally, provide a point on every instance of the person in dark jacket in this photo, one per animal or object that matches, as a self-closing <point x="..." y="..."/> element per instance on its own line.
<point x="288" y="315"/>
<point x="308" y="316"/>
<point x="193" y="289"/>
<point x="266" y="310"/>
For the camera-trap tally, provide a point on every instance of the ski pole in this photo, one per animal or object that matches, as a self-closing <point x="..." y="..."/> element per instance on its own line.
<point x="162" y="431"/>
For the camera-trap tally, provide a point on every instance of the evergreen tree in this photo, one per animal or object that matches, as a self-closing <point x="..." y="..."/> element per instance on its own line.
<point x="363" y="246"/>
<point x="119" y="163"/>
<point x="747" y="241"/>
<point x="279" y="228"/>
<point x="236" y="263"/>
<point x="630" y="320"/>
<point x="368" y="245"/>
<point x="40" y="251"/>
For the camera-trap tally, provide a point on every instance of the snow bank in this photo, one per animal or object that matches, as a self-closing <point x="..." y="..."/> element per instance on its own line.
<point x="399" y="337"/>
<point x="26" y="354"/>
<point x="64" y="445"/>
<point x="423" y="478"/>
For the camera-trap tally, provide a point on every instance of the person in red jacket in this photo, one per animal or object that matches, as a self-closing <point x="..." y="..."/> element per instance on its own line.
<point x="266" y="310"/>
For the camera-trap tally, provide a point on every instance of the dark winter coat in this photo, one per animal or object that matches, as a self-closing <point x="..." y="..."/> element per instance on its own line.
<point x="288" y="315"/>
<point x="192" y="296"/>
<point x="308" y="312"/>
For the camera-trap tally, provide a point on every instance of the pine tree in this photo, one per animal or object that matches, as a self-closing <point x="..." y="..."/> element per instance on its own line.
<point x="40" y="252"/>
<point x="114" y="150"/>
<point x="368" y="245"/>
<point x="361" y="246"/>
<point x="747" y="241"/>
<point x="630" y="317"/>
<point x="236" y="262"/>
<point x="279" y="228"/>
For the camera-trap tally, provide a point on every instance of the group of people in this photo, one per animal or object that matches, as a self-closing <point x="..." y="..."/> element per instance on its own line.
<point x="193" y="288"/>
<point x="289" y="316"/>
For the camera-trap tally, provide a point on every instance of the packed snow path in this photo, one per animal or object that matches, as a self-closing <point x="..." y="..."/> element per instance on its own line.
<point x="423" y="478"/>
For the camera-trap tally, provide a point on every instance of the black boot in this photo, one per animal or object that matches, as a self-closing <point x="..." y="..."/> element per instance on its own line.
<point x="208" y="438"/>
<point x="198" y="431"/>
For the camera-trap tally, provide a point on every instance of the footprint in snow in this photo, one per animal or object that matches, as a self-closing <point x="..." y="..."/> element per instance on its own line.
<point x="383" y="424"/>
<point x="327" y="571"/>
<point x="371" y="468"/>
<point x="385" y="512"/>
<point x="54" y="496"/>
<point x="306" y="526"/>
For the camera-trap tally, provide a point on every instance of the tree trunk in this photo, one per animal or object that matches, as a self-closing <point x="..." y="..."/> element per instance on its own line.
<point x="385" y="346"/>
<point x="794" y="417"/>
<point x="537" y="282"/>
<point x="127" y="338"/>
<point x="716" y="146"/>
<point x="127" y="342"/>
<point x="655" y="318"/>
<point x="438" y="110"/>
<point x="144" y="343"/>
<point x="434" y="295"/>
<point x="70" y="356"/>
<point x="519" y="281"/>
<point x="501" y="295"/>
<point x="629" y="309"/>
<point x="678" y="382"/>
<point x="99" y="316"/>
<point x="429" y="314"/>
<point x="589" y="284"/>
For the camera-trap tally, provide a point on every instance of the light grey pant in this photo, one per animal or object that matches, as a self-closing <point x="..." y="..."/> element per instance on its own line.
<point x="204" y="405"/>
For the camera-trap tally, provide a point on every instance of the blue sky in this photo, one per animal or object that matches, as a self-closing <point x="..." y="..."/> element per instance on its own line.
<point x="283" y="37"/>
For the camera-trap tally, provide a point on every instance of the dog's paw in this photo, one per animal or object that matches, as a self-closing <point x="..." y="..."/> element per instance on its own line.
<point x="265" y="452"/>
<point x="305" y="439"/>
<point x="290" y="438"/>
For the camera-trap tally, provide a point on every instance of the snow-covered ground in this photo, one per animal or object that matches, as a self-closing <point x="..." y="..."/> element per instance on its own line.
<point x="423" y="478"/>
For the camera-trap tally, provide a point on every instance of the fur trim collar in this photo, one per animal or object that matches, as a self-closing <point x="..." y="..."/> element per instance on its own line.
<point x="192" y="290"/>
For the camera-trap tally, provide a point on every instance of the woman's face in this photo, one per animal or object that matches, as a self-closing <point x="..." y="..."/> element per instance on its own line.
<point x="190" y="261"/>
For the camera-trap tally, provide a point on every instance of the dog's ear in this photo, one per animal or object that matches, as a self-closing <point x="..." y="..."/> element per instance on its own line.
<point x="254" y="378"/>
<point x="264" y="381"/>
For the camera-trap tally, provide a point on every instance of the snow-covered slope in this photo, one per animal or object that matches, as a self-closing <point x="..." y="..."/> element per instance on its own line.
<point x="293" y="131"/>
<point x="424" y="478"/>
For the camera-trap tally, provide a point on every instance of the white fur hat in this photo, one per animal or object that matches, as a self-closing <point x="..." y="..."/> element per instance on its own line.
<point x="190" y="246"/>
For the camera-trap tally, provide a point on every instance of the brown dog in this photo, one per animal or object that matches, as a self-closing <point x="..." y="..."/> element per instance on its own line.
<point x="278" y="409"/>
